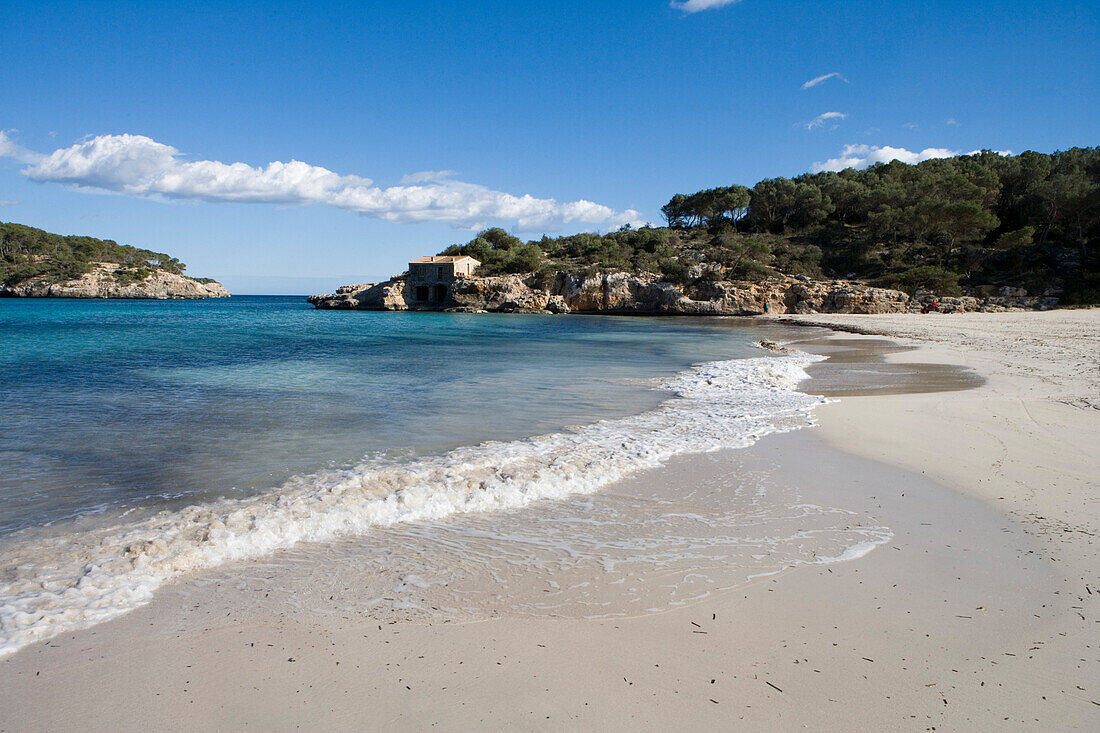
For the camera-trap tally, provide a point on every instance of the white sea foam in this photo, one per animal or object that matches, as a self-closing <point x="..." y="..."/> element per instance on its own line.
<point x="75" y="581"/>
<point x="854" y="552"/>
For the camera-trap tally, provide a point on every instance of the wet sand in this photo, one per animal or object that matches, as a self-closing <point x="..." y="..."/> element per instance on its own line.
<point x="979" y="613"/>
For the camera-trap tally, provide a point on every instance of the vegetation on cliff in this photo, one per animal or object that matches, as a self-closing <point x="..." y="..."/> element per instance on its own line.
<point x="27" y="253"/>
<point x="975" y="222"/>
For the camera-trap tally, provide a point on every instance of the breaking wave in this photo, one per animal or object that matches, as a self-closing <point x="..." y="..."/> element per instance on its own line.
<point x="77" y="580"/>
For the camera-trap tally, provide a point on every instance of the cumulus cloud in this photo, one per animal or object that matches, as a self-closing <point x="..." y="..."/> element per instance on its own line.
<point x="862" y="156"/>
<point x="694" y="6"/>
<point x="140" y="166"/>
<point x="823" y="78"/>
<point x="824" y="117"/>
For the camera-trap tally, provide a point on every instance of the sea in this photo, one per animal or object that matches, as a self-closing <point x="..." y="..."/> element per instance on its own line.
<point x="144" y="443"/>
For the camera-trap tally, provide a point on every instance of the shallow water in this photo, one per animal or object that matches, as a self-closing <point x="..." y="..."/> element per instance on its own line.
<point x="155" y="440"/>
<point x="112" y="405"/>
<point x="697" y="527"/>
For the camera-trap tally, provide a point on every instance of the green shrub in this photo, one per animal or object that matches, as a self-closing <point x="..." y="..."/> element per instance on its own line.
<point x="927" y="277"/>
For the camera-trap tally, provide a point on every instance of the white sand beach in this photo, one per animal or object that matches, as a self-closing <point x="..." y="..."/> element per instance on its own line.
<point x="981" y="613"/>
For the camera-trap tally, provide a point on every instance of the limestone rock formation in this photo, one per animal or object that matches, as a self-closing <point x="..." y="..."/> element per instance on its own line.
<point x="103" y="282"/>
<point x="620" y="292"/>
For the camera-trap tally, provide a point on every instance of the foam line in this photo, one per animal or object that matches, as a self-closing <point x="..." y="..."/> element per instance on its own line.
<point x="82" y="579"/>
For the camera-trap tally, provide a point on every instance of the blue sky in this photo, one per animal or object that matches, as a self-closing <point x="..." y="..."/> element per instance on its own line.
<point x="174" y="128"/>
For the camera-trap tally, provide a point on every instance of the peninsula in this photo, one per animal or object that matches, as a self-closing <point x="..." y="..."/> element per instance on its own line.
<point x="38" y="264"/>
<point x="979" y="232"/>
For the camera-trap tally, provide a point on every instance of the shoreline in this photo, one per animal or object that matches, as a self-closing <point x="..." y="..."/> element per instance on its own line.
<point x="895" y="638"/>
<point x="94" y="576"/>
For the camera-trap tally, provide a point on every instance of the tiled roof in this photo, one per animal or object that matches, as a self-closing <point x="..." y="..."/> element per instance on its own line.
<point x="444" y="258"/>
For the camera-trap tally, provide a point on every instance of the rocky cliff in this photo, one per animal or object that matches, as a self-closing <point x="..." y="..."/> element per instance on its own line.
<point x="620" y="292"/>
<point x="105" y="281"/>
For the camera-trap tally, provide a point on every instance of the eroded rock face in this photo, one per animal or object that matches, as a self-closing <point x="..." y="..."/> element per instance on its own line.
<point x="388" y="296"/>
<point x="620" y="292"/>
<point x="101" y="282"/>
<point x="503" y="293"/>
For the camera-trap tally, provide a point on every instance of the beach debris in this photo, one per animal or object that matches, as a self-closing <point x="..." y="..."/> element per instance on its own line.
<point x="769" y="684"/>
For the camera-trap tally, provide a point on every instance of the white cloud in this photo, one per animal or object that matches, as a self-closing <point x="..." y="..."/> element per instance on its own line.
<point x="139" y="166"/>
<point x="998" y="152"/>
<point x="951" y="122"/>
<point x="824" y="117"/>
<point x="862" y="156"/>
<point x="823" y="78"/>
<point x="7" y="202"/>
<point x="423" y="176"/>
<point x="9" y="149"/>
<point x="910" y="125"/>
<point x="694" y="6"/>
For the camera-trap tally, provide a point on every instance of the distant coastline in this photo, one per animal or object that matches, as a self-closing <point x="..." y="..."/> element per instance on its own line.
<point x="37" y="264"/>
<point x="107" y="280"/>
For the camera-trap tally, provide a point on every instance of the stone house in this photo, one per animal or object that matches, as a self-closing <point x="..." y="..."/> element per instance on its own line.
<point x="430" y="278"/>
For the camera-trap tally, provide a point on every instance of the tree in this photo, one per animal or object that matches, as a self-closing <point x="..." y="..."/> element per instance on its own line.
<point x="731" y="202"/>
<point x="742" y="254"/>
<point x="954" y="222"/>
<point x="499" y="239"/>
<point x="675" y="211"/>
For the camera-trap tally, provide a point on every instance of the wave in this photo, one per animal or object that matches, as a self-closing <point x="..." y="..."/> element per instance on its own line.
<point x="81" y="579"/>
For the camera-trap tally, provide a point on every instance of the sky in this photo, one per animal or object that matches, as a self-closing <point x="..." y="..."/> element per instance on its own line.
<point x="294" y="147"/>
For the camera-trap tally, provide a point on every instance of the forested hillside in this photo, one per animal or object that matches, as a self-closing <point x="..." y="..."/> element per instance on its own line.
<point x="975" y="223"/>
<point x="26" y="252"/>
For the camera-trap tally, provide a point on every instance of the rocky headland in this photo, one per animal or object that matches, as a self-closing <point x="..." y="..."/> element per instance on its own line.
<point x="111" y="280"/>
<point x="645" y="294"/>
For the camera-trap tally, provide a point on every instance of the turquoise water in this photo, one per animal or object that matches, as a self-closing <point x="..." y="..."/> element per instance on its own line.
<point x="116" y="407"/>
<point x="147" y="443"/>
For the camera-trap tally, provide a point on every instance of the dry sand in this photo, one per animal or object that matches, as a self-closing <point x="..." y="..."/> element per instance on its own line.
<point x="980" y="614"/>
